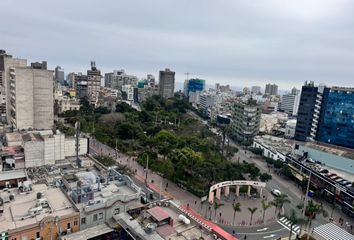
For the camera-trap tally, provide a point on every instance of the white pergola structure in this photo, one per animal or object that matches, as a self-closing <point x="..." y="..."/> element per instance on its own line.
<point x="226" y="188"/>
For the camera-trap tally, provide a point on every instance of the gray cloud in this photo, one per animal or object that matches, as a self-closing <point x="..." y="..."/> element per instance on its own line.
<point x="235" y="42"/>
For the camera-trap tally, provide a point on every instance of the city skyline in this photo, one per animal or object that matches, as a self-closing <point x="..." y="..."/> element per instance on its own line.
<point x="235" y="43"/>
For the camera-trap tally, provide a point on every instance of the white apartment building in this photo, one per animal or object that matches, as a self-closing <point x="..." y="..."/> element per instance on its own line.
<point x="290" y="103"/>
<point x="290" y="128"/>
<point x="44" y="147"/>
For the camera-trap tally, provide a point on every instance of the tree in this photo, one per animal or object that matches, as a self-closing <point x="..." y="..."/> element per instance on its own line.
<point x="311" y="210"/>
<point x="279" y="202"/>
<point x="216" y="207"/>
<point x="252" y="211"/>
<point x="333" y="206"/>
<point x="265" y="206"/>
<point x="294" y="219"/>
<point x="124" y="107"/>
<point x="237" y="208"/>
<point x="264" y="177"/>
<point x="168" y="169"/>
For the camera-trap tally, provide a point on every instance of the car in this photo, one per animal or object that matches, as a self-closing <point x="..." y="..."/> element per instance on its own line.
<point x="276" y="192"/>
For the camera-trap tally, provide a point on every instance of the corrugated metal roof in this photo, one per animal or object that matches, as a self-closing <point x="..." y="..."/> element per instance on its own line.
<point x="331" y="231"/>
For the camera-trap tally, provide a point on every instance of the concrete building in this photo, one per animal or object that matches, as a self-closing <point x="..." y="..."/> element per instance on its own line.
<point x="118" y="78"/>
<point x="290" y="128"/>
<point x="93" y="82"/>
<point x="31" y="97"/>
<point x="167" y="83"/>
<point x="67" y="104"/>
<point x="59" y="75"/>
<point x="70" y="79"/>
<point x="256" y="90"/>
<point x="26" y="214"/>
<point x="290" y="103"/>
<point x="271" y="89"/>
<point x="45" y="148"/>
<point x="98" y="203"/>
<point x="246" y="118"/>
<point x="206" y="101"/>
<point x="7" y="62"/>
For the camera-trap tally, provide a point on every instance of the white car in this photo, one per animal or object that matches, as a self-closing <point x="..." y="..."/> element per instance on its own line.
<point x="276" y="192"/>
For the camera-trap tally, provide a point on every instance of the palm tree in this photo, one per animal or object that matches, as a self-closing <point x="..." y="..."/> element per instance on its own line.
<point x="279" y="202"/>
<point x="311" y="210"/>
<point x="294" y="219"/>
<point x="265" y="206"/>
<point x="237" y="208"/>
<point x="216" y="207"/>
<point x="333" y="206"/>
<point x="252" y="211"/>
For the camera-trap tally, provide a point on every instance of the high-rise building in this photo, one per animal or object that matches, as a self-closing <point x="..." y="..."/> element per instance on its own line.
<point x="167" y="83"/>
<point x="31" y="97"/>
<point x="194" y="88"/>
<point x="7" y="62"/>
<point x="59" y="75"/>
<point x="308" y="114"/>
<point x="70" y="78"/>
<point x="271" y="89"/>
<point x="246" y="118"/>
<point x="255" y="89"/>
<point x="93" y="82"/>
<point x="81" y="85"/>
<point x="119" y="78"/>
<point x="290" y="103"/>
<point x="336" y="124"/>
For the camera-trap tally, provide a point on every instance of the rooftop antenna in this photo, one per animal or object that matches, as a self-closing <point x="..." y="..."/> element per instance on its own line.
<point x="77" y="143"/>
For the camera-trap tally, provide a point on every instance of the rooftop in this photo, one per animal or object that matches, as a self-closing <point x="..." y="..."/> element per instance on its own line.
<point x="278" y="144"/>
<point x="89" y="233"/>
<point x="164" y="221"/>
<point x="25" y="209"/>
<point x="332" y="149"/>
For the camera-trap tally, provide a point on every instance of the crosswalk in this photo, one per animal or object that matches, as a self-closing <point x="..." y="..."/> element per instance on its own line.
<point x="287" y="224"/>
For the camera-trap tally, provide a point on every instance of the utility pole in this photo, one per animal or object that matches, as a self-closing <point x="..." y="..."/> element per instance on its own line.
<point x="77" y="144"/>
<point x="147" y="168"/>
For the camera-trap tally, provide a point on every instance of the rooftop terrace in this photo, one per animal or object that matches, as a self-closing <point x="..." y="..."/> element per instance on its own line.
<point x="25" y="209"/>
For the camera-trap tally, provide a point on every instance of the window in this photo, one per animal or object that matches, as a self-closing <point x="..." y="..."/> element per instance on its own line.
<point x="83" y="220"/>
<point x="100" y="216"/>
<point x="75" y="223"/>
<point x="116" y="211"/>
<point x="94" y="217"/>
<point x="38" y="235"/>
<point x="68" y="226"/>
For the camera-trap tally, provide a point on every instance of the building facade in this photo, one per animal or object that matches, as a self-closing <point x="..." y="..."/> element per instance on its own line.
<point x="271" y="89"/>
<point x="337" y="117"/>
<point x="308" y="112"/>
<point x="31" y="97"/>
<point x="246" y="121"/>
<point x="290" y="103"/>
<point x="59" y="75"/>
<point x="166" y="83"/>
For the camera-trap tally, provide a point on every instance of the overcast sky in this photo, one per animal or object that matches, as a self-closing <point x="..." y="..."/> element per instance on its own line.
<point x="241" y="43"/>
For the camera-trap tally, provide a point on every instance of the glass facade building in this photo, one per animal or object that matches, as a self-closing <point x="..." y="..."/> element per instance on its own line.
<point x="336" y="124"/>
<point x="195" y="85"/>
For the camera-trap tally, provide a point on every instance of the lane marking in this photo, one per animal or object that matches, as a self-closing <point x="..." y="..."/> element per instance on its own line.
<point x="270" y="236"/>
<point x="297" y="232"/>
<point x="262" y="229"/>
